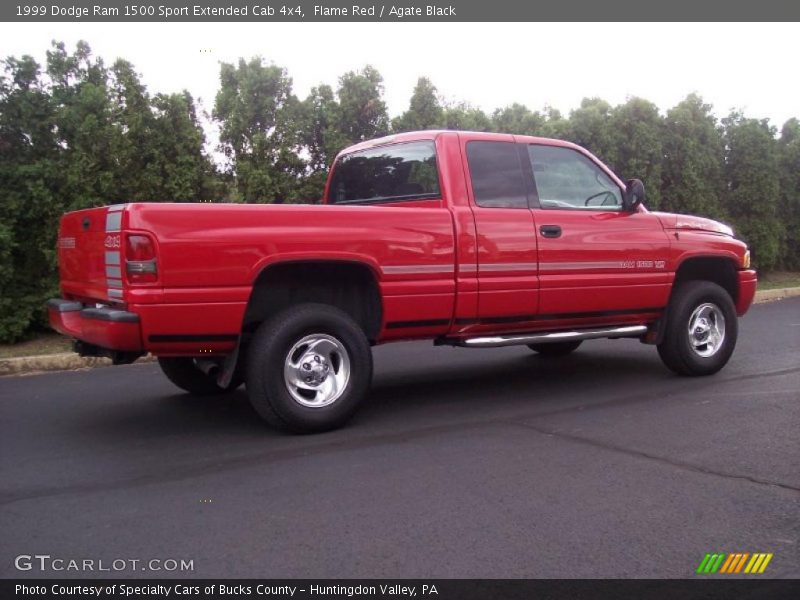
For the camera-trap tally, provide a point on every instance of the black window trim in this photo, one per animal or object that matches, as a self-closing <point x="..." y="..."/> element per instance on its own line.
<point x="575" y="208"/>
<point x="392" y="199"/>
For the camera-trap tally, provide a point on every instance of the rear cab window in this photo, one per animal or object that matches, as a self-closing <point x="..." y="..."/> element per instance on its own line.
<point x="392" y="173"/>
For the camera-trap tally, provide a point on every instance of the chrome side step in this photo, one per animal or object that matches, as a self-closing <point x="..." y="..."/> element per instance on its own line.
<point x="546" y="338"/>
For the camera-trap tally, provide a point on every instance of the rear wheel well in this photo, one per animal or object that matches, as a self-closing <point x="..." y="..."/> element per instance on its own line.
<point x="349" y="286"/>
<point x="719" y="270"/>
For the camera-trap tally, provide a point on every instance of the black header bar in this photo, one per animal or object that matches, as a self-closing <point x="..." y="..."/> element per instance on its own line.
<point x="266" y="11"/>
<point x="399" y="589"/>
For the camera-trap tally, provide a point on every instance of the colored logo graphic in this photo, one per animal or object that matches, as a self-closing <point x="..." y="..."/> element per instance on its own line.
<point x="734" y="562"/>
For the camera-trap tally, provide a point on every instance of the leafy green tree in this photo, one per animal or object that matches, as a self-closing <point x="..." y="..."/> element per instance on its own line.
<point x="692" y="179"/>
<point x="555" y="125"/>
<point x="30" y="205"/>
<point x="321" y="139"/>
<point x="424" y="111"/>
<point x="186" y="173"/>
<point x="590" y="126"/>
<point x="86" y="133"/>
<point x="466" y="118"/>
<point x="753" y="188"/>
<point x="257" y="112"/>
<point x="362" y="111"/>
<point x="518" y="119"/>
<point x="789" y="207"/>
<point x="638" y="130"/>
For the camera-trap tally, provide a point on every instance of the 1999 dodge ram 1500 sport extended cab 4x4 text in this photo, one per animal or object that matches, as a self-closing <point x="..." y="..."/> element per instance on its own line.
<point x="469" y="239"/>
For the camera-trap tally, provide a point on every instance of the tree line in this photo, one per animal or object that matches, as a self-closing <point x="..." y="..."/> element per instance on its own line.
<point x="76" y="133"/>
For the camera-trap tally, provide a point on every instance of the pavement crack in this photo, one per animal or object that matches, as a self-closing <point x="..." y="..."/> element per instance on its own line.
<point x="679" y="464"/>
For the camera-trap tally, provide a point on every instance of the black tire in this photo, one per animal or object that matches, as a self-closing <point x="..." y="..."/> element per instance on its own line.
<point x="271" y="394"/>
<point x="677" y="350"/>
<point x="183" y="372"/>
<point x="556" y="348"/>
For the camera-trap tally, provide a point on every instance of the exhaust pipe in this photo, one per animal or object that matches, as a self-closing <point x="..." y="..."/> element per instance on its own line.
<point x="209" y="367"/>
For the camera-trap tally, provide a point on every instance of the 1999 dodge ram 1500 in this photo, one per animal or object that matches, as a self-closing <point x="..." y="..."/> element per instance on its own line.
<point x="469" y="239"/>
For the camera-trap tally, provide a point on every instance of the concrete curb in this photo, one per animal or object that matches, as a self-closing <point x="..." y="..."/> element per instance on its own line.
<point x="69" y="361"/>
<point x="776" y="294"/>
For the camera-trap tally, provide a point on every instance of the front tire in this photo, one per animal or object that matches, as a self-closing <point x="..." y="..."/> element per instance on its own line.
<point x="556" y="348"/>
<point x="183" y="372"/>
<point x="308" y="368"/>
<point x="701" y="329"/>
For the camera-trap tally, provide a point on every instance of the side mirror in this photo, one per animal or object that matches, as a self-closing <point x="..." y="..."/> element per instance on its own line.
<point x="634" y="194"/>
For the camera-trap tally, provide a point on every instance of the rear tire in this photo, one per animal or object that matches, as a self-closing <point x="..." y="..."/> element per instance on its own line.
<point x="701" y="329"/>
<point x="183" y="372"/>
<point x="308" y="368"/>
<point x="556" y="348"/>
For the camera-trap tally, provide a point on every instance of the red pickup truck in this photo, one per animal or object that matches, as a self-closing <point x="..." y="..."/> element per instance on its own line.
<point x="469" y="239"/>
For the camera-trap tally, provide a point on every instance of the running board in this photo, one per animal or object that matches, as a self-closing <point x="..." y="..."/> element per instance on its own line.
<point x="549" y="338"/>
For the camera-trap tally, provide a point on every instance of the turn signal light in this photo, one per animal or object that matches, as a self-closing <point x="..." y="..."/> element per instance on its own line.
<point x="140" y="259"/>
<point x="746" y="260"/>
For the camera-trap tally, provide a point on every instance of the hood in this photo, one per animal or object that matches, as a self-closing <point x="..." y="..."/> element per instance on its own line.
<point x="689" y="222"/>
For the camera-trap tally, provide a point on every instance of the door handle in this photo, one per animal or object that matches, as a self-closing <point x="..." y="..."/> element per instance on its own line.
<point x="550" y="231"/>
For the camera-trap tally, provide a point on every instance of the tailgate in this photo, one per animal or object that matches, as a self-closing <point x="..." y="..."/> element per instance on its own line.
<point x="89" y="254"/>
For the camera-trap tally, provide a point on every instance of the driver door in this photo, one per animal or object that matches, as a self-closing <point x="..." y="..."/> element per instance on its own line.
<point x="593" y="257"/>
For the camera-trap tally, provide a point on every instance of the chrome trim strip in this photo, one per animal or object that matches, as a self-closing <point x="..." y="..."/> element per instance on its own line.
<point x="558" y="336"/>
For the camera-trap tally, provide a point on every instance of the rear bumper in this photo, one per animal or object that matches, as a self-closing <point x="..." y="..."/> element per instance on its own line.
<point x="747" y="290"/>
<point x="104" y="327"/>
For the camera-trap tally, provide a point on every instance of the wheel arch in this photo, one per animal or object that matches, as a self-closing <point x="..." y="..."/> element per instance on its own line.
<point x="349" y="285"/>
<point x="719" y="269"/>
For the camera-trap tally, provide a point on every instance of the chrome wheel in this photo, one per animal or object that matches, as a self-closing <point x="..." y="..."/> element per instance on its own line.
<point x="706" y="329"/>
<point x="316" y="370"/>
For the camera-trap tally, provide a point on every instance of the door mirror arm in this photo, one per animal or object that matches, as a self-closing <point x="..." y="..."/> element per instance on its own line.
<point x="633" y="196"/>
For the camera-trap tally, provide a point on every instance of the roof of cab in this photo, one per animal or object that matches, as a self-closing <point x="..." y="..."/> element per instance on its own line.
<point x="432" y="134"/>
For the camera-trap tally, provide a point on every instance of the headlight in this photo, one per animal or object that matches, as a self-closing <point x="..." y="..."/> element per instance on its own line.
<point x="746" y="260"/>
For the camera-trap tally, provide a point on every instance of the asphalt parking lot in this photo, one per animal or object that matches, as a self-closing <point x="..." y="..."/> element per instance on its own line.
<point x="463" y="463"/>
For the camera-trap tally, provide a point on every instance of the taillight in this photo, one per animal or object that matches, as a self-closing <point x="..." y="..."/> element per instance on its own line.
<point x="140" y="259"/>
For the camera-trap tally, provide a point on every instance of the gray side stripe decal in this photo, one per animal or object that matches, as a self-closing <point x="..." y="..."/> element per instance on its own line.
<point x="509" y="266"/>
<point x="574" y="266"/>
<point x="412" y="269"/>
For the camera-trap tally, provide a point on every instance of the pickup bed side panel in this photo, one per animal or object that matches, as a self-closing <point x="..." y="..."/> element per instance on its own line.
<point x="210" y="255"/>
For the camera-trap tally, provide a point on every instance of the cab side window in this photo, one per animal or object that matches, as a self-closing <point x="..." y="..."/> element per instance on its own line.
<point x="566" y="178"/>
<point x="496" y="175"/>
